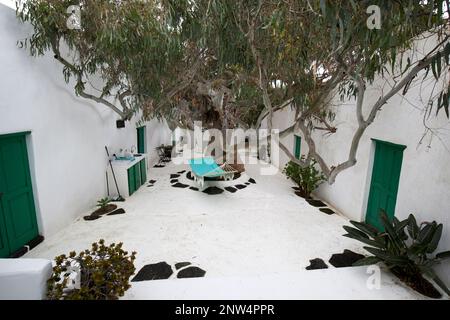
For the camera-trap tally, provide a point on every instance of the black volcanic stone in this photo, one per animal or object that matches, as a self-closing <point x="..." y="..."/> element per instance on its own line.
<point x="174" y="181"/>
<point x="231" y="189"/>
<point x="191" y="272"/>
<point x="189" y="176"/>
<point x="158" y="166"/>
<point x="194" y="188"/>
<point x="152" y="181"/>
<point x="240" y="186"/>
<point x="180" y="265"/>
<point x="317" y="264"/>
<point x="92" y="217"/>
<point x="316" y="203"/>
<point x="180" y="185"/>
<point x="181" y="172"/>
<point x="247" y="183"/>
<point x="213" y="191"/>
<point x="150" y="185"/>
<point x="251" y="180"/>
<point x="157" y="271"/>
<point x="327" y="211"/>
<point x="116" y="212"/>
<point x="301" y="195"/>
<point x="296" y="188"/>
<point x="346" y="259"/>
<point x="174" y="176"/>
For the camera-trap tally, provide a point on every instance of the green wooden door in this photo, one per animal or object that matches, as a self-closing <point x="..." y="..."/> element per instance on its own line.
<point x="131" y="180"/>
<point x="143" y="171"/>
<point x="298" y="147"/>
<point x="385" y="180"/>
<point x="5" y="251"/>
<point x="18" y="224"/>
<point x="141" y="139"/>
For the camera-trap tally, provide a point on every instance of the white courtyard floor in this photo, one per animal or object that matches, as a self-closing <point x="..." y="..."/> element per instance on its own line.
<point x="253" y="244"/>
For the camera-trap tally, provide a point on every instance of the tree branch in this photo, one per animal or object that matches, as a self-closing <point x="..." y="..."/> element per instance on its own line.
<point x="79" y="73"/>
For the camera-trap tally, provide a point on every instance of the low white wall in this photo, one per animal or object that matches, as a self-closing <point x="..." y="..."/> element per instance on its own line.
<point x="69" y="134"/>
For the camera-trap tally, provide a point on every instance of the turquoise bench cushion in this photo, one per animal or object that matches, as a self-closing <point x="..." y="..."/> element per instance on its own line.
<point x="206" y="167"/>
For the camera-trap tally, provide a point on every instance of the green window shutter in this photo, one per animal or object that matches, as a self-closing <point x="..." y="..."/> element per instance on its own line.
<point x="137" y="175"/>
<point x="297" y="147"/>
<point x="143" y="171"/>
<point x="131" y="180"/>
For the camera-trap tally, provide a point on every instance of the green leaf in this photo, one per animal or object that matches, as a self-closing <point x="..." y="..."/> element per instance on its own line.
<point x="369" y="242"/>
<point x="447" y="53"/>
<point x="356" y="232"/>
<point x="439" y="63"/>
<point x="390" y="230"/>
<point x="389" y="258"/>
<point x="433" y="276"/>
<point x="367" y="261"/>
<point x="433" y="68"/>
<point x="426" y="233"/>
<point x="367" y="228"/>
<point x="443" y="255"/>
<point x="413" y="228"/>
<point x="432" y="246"/>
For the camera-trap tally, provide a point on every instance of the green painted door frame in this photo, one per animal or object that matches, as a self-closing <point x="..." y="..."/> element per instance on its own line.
<point x="385" y="180"/>
<point x="141" y="141"/>
<point x="18" y="223"/>
<point x="298" y="147"/>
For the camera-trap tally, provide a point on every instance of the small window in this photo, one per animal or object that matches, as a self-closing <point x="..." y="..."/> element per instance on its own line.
<point x="297" y="146"/>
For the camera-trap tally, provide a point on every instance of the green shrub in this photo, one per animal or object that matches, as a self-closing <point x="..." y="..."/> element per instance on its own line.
<point x="307" y="179"/>
<point x="103" y="203"/>
<point x="404" y="247"/>
<point x="104" y="273"/>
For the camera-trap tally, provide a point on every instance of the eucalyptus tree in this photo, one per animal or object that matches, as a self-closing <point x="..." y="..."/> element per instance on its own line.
<point x="313" y="50"/>
<point x="345" y="56"/>
<point x="235" y="63"/>
<point x="122" y="54"/>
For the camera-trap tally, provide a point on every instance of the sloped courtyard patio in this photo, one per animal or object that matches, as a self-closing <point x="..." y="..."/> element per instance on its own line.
<point x="258" y="230"/>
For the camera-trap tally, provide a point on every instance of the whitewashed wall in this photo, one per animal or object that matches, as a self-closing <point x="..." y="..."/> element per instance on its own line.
<point x="69" y="134"/>
<point x="424" y="188"/>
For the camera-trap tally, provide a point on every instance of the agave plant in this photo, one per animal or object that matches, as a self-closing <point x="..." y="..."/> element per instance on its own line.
<point x="402" y="245"/>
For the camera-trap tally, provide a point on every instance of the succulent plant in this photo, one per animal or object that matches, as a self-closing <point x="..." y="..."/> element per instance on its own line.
<point x="402" y="245"/>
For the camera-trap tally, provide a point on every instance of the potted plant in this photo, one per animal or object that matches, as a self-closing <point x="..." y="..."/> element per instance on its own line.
<point x="406" y="248"/>
<point x="101" y="273"/>
<point x="307" y="178"/>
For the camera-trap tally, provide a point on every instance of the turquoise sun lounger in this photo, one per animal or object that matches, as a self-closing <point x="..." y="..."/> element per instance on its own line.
<point x="207" y="168"/>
